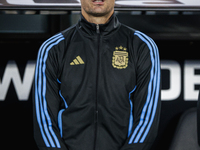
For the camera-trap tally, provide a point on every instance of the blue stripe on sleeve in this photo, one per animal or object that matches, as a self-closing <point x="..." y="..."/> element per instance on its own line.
<point x="60" y="121"/>
<point x="58" y="81"/>
<point x="66" y="106"/>
<point x="44" y="121"/>
<point x="38" y="98"/>
<point x="131" y="113"/>
<point x="44" y="92"/>
<point x="157" y="84"/>
<point x="153" y="92"/>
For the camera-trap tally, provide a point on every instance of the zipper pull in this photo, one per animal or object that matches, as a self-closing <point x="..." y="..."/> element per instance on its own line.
<point x="98" y="31"/>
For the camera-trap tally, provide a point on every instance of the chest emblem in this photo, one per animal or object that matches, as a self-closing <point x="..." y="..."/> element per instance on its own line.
<point x="120" y="58"/>
<point x="77" y="61"/>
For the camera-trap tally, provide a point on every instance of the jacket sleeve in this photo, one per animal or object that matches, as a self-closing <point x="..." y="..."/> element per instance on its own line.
<point x="46" y="100"/>
<point x="145" y="97"/>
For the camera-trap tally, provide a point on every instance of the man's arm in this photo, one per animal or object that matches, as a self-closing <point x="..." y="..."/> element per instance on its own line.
<point x="145" y="98"/>
<point x="46" y="100"/>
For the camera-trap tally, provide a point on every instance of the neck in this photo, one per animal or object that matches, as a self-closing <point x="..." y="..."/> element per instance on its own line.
<point x="97" y="19"/>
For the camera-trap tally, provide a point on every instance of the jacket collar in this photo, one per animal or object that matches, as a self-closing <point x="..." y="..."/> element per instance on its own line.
<point x="105" y="29"/>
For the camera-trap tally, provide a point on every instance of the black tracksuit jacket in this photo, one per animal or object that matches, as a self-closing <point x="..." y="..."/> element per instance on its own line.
<point x="97" y="87"/>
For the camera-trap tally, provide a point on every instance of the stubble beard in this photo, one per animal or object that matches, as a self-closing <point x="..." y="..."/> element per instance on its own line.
<point x="98" y="14"/>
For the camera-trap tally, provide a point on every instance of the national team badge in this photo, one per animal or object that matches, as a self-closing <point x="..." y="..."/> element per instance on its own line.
<point x="120" y="58"/>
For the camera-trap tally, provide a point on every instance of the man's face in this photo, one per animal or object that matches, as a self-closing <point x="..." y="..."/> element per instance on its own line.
<point x="98" y="8"/>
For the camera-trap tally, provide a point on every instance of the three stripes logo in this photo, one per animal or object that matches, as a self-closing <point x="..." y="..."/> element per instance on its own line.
<point x="77" y="61"/>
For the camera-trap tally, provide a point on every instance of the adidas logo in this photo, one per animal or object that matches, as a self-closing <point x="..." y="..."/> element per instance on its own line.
<point x="77" y="61"/>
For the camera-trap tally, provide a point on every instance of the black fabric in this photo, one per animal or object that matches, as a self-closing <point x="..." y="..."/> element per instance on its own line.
<point x="185" y="137"/>
<point x="97" y="87"/>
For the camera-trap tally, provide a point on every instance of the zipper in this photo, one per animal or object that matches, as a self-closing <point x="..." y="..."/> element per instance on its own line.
<point x="98" y="31"/>
<point x="97" y="81"/>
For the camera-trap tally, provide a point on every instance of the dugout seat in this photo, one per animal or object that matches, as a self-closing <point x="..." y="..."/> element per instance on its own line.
<point x="185" y="137"/>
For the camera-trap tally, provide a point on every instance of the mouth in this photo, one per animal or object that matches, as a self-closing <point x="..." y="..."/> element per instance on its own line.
<point x="98" y="1"/>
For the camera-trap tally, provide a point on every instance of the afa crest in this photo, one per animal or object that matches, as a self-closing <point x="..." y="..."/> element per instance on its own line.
<point x="120" y="58"/>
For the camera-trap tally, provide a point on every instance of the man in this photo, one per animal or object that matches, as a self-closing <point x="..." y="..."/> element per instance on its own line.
<point x="97" y="85"/>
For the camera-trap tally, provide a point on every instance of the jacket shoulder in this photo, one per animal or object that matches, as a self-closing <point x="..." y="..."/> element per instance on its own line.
<point x="133" y="31"/>
<point x="58" y="39"/>
<point x="127" y="29"/>
<point x="55" y="43"/>
<point x="69" y="31"/>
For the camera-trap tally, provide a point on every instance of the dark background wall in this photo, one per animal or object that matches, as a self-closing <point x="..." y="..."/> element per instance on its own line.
<point x="177" y="35"/>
